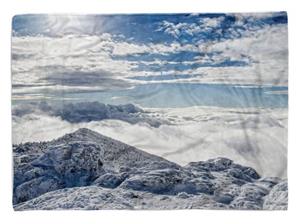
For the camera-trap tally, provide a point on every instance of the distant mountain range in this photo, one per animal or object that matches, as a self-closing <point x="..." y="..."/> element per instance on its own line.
<point x="88" y="111"/>
<point x="86" y="170"/>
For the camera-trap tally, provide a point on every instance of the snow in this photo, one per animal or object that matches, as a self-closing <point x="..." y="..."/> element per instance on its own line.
<point x="87" y="170"/>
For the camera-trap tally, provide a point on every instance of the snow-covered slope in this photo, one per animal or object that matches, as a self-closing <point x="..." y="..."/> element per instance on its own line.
<point x="86" y="170"/>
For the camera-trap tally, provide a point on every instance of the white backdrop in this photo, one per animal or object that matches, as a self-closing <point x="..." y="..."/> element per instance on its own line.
<point x="12" y="7"/>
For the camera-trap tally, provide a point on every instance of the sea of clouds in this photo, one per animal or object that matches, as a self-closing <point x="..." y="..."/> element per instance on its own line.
<point x="256" y="53"/>
<point x="254" y="137"/>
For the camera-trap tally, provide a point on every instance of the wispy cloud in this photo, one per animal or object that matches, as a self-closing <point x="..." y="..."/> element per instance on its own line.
<point x="179" y="29"/>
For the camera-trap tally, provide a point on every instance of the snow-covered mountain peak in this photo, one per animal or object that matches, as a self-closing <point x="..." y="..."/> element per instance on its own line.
<point x="86" y="161"/>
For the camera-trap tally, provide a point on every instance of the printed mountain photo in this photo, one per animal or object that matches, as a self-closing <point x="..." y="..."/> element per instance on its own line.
<point x="150" y="111"/>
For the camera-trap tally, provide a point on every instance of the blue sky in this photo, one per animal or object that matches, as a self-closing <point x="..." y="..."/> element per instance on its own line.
<point x="155" y="28"/>
<point x="70" y="53"/>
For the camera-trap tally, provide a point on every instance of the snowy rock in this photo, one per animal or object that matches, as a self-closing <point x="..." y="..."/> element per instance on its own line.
<point x="250" y="197"/>
<point x="277" y="199"/>
<point x="219" y="164"/>
<point x="75" y="164"/>
<point x="86" y="170"/>
<point x="110" y="180"/>
<point x="183" y="195"/>
<point x="93" y="197"/>
<point x="34" y="188"/>
<point x="78" y="159"/>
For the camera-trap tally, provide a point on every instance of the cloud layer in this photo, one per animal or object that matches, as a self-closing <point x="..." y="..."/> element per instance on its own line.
<point x="86" y="112"/>
<point x="253" y="137"/>
<point x="97" y="53"/>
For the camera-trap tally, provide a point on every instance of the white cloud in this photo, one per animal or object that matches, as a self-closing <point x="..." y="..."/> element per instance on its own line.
<point x="177" y="29"/>
<point x="256" y="15"/>
<point x="266" y="50"/>
<point x="253" y="137"/>
<point x="211" y="22"/>
<point x="34" y="58"/>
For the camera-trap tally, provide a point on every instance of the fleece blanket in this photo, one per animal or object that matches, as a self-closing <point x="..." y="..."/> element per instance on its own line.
<point x="150" y="111"/>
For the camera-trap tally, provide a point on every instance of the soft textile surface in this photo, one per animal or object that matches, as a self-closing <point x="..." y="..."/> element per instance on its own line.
<point x="153" y="111"/>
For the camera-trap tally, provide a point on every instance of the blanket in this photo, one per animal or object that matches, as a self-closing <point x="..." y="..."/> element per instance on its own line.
<point x="150" y="111"/>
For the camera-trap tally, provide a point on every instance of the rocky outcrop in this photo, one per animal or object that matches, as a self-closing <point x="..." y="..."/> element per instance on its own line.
<point x="86" y="170"/>
<point x="277" y="197"/>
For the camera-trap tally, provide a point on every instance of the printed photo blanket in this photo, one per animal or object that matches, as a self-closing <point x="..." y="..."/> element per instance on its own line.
<point x="150" y="111"/>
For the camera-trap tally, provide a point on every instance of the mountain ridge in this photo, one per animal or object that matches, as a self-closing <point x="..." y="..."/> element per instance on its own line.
<point x="88" y="161"/>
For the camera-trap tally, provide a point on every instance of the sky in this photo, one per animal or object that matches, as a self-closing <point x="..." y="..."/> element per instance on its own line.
<point x="55" y="54"/>
<point x="213" y="84"/>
